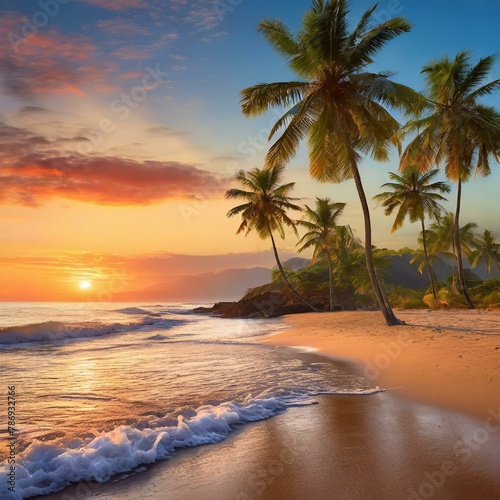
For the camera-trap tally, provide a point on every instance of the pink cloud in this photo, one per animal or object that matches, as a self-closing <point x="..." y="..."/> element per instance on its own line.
<point x="44" y="63"/>
<point x="36" y="178"/>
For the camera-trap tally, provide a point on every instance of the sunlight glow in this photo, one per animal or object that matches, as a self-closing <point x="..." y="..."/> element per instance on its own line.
<point x="85" y="285"/>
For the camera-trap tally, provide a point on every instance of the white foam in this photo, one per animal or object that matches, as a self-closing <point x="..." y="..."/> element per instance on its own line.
<point x="56" y="330"/>
<point x="133" y="310"/>
<point x="44" y="468"/>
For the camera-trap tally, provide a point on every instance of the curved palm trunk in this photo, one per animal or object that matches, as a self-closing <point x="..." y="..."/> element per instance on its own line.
<point x="428" y="262"/>
<point x="458" y="248"/>
<point x="283" y="274"/>
<point x="385" y="307"/>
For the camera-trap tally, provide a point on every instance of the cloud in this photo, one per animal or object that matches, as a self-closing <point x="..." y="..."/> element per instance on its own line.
<point x="165" y="131"/>
<point x="117" y="4"/>
<point x="143" y="267"/>
<point x="32" y="111"/>
<point x="32" y="172"/>
<point x="47" y="62"/>
<point x="119" y="27"/>
<point x="133" y="53"/>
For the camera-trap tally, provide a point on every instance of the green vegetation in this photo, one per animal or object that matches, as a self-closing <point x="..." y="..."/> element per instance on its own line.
<point x="342" y="110"/>
<point x="265" y="209"/>
<point x="456" y="130"/>
<point x="415" y="197"/>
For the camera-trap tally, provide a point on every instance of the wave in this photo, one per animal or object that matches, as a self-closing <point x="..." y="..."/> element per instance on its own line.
<point x="45" y="468"/>
<point x="135" y="310"/>
<point x="56" y="330"/>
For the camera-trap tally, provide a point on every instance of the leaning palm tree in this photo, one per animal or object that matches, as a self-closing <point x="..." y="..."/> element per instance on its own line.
<point x="486" y="251"/>
<point x="415" y="196"/>
<point x="335" y="102"/>
<point x="321" y="232"/>
<point x="457" y="131"/>
<point x="265" y="207"/>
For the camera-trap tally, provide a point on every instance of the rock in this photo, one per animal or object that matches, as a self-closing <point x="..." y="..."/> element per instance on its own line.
<point x="268" y="304"/>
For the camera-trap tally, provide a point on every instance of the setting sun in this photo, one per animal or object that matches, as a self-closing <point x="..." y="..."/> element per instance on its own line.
<point x="85" y="285"/>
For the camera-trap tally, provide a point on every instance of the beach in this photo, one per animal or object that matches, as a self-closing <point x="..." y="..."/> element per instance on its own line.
<point x="450" y="359"/>
<point x="434" y="433"/>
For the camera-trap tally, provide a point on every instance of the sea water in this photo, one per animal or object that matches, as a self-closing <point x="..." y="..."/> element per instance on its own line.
<point x="103" y="389"/>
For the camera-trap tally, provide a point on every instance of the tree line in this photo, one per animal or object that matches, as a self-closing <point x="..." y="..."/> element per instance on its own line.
<point x="343" y="111"/>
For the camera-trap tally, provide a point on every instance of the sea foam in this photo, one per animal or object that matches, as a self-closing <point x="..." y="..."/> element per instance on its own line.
<point x="56" y="330"/>
<point x="44" y="468"/>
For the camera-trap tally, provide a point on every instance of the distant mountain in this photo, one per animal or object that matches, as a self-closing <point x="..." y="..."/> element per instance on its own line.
<point x="403" y="273"/>
<point x="296" y="263"/>
<point x="211" y="287"/>
<point x="232" y="284"/>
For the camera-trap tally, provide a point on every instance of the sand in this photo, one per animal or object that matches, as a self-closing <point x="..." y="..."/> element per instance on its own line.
<point x="435" y="434"/>
<point x="378" y="447"/>
<point x="449" y="359"/>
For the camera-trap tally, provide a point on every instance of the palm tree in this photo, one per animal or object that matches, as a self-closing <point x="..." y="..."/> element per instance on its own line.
<point x="335" y="102"/>
<point x="321" y="231"/>
<point x="458" y="131"/>
<point x="415" y="196"/>
<point x="487" y="251"/>
<point x="441" y="237"/>
<point x="265" y="207"/>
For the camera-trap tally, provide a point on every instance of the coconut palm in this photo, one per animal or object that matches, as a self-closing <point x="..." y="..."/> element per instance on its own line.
<point x="335" y="102"/>
<point x="415" y="196"/>
<point x="486" y="251"/>
<point x="265" y="207"/>
<point x="321" y="225"/>
<point x="441" y="237"/>
<point x="457" y="130"/>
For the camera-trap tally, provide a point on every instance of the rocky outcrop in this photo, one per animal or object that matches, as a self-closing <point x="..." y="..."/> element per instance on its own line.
<point x="268" y="304"/>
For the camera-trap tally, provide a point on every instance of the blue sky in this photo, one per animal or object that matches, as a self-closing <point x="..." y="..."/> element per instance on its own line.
<point x="143" y="96"/>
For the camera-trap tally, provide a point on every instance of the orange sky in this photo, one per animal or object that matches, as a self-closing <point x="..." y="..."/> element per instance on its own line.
<point x="120" y="130"/>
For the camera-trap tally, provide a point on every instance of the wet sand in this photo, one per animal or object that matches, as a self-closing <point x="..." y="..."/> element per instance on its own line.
<point x="346" y="447"/>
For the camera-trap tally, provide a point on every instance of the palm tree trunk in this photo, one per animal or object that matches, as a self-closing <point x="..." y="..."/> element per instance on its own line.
<point x="330" y="278"/>
<point x="386" y="309"/>
<point x="283" y="274"/>
<point x="458" y="248"/>
<point x="428" y="263"/>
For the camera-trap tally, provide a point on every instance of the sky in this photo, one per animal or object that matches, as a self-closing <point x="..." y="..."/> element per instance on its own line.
<point x="121" y="129"/>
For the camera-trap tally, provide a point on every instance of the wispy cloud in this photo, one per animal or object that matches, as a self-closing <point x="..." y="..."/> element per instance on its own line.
<point x="143" y="267"/>
<point x="34" y="169"/>
<point x="119" y="27"/>
<point x="49" y="62"/>
<point x="118" y="4"/>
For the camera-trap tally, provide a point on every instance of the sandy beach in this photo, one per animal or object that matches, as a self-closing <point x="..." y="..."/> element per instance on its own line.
<point x="449" y="359"/>
<point x="434" y="434"/>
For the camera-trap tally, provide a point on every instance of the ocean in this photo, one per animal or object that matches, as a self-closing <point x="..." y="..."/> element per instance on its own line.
<point x="97" y="390"/>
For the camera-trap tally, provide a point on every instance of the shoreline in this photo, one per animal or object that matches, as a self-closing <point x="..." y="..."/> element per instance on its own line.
<point x="448" y="359"/>
<point x="354" y="448"/>
<point x="391" y="444"/>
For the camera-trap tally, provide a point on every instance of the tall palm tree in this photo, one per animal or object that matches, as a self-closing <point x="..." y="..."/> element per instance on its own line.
<point x="321" y="232"/>
<point x="335" y="102"/>
<point x="487" y="251"/>
<point x="457" y="130"/>
<point x="415" y="196"/>
<point x="265" y="207"/>
<point x="441" y="237"/>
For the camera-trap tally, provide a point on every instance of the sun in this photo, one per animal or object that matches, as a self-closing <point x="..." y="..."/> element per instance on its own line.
<point x="85" y="285"/>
